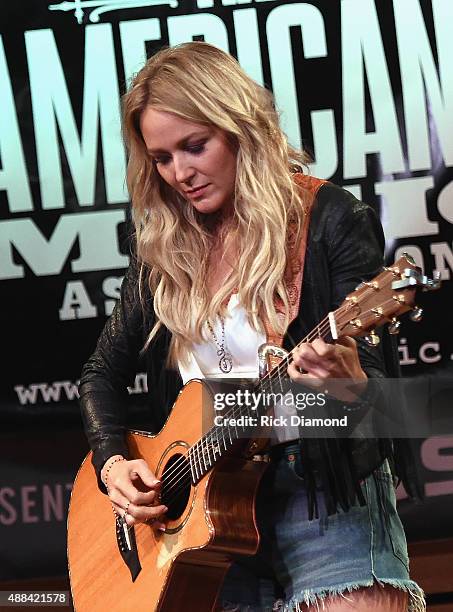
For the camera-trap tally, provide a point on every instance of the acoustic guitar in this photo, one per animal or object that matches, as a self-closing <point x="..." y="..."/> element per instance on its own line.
<point x="208" y="482"/>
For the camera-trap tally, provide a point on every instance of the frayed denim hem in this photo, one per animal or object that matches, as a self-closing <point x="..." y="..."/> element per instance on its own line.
<point x="315" y="598"/>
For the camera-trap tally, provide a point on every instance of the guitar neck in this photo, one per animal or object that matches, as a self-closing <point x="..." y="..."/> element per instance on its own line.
<point x="373" y="303"/>
<point x="241" y="420"/>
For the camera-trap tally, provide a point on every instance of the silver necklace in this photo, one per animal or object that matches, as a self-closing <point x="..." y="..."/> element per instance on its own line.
<point x="225" y="357"/>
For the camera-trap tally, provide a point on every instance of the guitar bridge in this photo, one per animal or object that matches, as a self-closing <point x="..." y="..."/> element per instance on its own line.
<point x="127" y="547"/>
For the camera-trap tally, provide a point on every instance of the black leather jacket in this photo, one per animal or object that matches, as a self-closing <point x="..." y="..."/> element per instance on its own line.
<point x="345" y="246"/>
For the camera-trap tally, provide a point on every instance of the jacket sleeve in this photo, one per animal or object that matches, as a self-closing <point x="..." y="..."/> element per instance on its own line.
<point x="355" y="250"/>
<point x="109" y="371"/>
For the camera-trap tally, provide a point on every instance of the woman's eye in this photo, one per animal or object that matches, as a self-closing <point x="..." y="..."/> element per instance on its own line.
<point x="161" y="160"/>
<point x="196" y="148"/>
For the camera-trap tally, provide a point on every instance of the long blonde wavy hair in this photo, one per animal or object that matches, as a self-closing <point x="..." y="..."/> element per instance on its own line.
<point x="203" y="84"/>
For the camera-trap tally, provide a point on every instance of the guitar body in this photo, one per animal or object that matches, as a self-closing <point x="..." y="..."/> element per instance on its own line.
<point x="183" y="568"/>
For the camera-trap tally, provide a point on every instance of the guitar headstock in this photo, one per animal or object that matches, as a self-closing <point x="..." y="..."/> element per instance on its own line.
<point x="381" y="300"/>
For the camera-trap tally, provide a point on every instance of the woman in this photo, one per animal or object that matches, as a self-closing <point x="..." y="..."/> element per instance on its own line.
<point x="221" y="212"/>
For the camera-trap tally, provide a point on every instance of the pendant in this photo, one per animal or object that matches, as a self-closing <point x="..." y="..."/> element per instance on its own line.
<point x="226" y="362"/>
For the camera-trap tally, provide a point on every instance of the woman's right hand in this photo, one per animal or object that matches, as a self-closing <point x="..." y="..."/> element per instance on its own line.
<point x="134" y="491"/>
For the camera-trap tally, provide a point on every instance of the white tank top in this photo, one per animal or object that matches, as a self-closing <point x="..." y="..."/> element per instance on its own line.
<point x="242" y="341"/>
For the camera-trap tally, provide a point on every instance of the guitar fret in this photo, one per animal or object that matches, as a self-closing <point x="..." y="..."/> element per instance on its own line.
<point x="201" y="465"/>
<point x="280" y="380"/>
<point x="217" y="446"/>
<point x="208" y="448"/>
<point x="203" y="456"/>
<point x="197" y="462"/>
<point x="191" y="466"/>
<point x="203" y="460"/>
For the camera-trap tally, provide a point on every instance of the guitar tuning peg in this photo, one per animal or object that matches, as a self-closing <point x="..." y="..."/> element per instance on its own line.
<point x="416" y="314"/>
<point x="394" y="327"/>
<point x="372" y="339"/>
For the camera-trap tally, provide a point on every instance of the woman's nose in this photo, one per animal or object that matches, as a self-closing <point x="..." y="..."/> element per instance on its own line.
<point x="184" y="171"/>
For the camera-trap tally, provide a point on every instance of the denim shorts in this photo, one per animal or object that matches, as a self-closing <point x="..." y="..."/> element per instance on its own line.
<point x="303" y="561"/>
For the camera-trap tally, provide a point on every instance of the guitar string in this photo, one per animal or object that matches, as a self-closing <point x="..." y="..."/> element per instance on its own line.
<point x="322" y="328"/>
<point x="206" y="443"/>
<point x="207" y="440"/>
<point x="318" y="331"/>
<point x="232" y="413"/>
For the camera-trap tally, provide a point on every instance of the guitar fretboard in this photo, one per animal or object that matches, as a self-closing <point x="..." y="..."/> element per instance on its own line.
<point x="220" y="439"/>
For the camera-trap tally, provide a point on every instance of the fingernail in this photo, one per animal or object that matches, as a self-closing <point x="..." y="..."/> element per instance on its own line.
<point x="156" y="482"/>
<point x="162" y="528"/>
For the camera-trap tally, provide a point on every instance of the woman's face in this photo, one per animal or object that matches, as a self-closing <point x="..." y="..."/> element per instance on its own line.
<point x="196" y="160"/>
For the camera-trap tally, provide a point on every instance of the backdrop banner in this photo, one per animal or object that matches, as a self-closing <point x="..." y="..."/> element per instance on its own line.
<point x="365" y="86"/>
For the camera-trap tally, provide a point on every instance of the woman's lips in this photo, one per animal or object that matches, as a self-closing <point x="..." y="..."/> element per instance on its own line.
<point x="196" y="193"/>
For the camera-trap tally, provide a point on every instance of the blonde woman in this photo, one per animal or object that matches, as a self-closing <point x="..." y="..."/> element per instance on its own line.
<point x="220" y="206"/>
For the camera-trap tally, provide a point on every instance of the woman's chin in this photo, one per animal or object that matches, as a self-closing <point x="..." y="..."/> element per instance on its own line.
<point x="207" y="208"/>
<point x="218" y="207"/>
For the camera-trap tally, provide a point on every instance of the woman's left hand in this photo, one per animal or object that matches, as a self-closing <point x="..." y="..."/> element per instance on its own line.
<point x="320" y="361"/>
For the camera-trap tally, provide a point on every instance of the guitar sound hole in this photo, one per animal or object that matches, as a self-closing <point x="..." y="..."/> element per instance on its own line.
<point x="176" y="483"/>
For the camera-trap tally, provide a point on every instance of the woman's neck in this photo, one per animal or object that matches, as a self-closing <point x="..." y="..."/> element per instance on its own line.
<point x="222" y="259"/>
